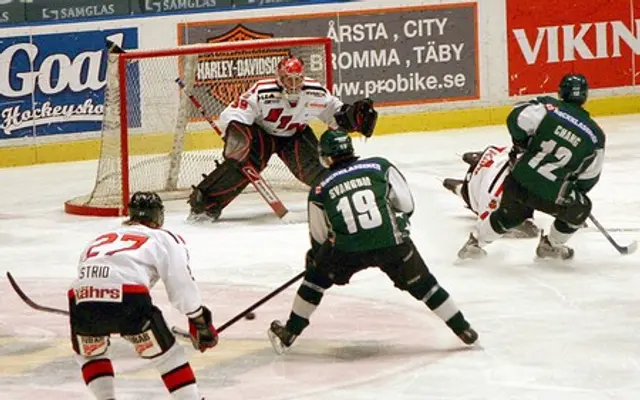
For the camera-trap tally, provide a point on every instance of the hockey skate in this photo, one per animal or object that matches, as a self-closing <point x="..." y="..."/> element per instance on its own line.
<point x="546" y="250"/>
<point x="280" y="338"/>
<point x="206" y="216"/>
<point x="453" y="185"/>
<point x="468" y="336"/>
<point x="525" y="230"/>
<point x="471" y="249"/>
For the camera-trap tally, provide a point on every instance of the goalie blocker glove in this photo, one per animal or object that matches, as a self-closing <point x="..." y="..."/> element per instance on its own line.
<point x="203" y="334"/>
<point x="359" y="116"/>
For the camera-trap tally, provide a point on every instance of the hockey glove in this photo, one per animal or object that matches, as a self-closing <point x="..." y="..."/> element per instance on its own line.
<point x="360" y="116"/>
<point x="203" y="334"/>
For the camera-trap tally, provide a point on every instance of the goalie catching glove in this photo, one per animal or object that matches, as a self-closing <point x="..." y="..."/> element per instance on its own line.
<point x="203" y="334"/>
<point x="359" y="116"/>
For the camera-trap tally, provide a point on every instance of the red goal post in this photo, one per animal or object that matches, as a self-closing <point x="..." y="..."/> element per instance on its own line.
<point x="154" y="139"/>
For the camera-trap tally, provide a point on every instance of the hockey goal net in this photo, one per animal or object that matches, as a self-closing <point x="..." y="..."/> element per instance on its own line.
<point x="153" y="138"/>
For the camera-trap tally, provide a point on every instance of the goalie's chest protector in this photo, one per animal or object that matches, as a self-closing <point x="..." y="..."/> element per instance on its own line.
<point x="282" y="116"/>
<point x="355" y="203"/>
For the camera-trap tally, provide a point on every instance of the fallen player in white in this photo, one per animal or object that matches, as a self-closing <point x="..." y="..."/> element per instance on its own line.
<point x="481" y="188"/>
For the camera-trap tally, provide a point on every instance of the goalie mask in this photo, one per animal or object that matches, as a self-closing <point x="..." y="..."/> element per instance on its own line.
<point x="290" y="76"/>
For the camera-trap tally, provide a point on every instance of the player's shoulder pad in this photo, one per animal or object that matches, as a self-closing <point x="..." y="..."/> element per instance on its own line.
<point x="265" y="85"/>
<point x="313" y="87"/>
<point x="546" y="100"/>
<point x="173" y="237"/>
<point x="374" y="163"/>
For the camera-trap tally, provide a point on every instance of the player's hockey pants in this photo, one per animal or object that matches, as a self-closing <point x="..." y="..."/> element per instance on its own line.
<point x="402" y="264"/>
<point x="518" y="200"/>
<point x="130" y="313"/>
<point x="251" y="144"/>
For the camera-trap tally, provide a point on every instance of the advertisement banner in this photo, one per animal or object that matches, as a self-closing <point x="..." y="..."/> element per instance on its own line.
<point x="596" y="38"/>
<point x="163" y="6"/>
<point x="46" y="10"/>
<point x="54" y="83"/>
<point x="396" y="56"/>
<point x="12" y="12"/>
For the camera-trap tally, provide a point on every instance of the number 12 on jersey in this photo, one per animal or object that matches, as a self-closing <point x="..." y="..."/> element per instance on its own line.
<point x="360" y="210"/>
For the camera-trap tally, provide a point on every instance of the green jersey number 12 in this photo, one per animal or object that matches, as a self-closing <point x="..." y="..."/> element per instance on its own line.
<point x="562" y="154"/>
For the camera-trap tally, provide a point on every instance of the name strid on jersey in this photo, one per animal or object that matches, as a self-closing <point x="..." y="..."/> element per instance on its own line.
<point x="94" y="271"/>
<point x="346" y="186"/>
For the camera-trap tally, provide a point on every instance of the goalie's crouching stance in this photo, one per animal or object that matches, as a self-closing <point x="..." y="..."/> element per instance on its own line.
<point x="359" y="217"/>
<point x="111" y="296"/>
<point x="272" y="118"/>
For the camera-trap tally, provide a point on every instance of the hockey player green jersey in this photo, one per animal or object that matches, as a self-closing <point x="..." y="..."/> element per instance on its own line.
<point x="360" y="205"/>
<point x="564" y="148"/>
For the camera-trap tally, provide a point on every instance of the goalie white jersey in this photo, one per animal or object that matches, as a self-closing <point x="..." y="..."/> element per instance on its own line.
<point x="485" y="181"/>
<point x="136" y="256"/>
<point x="278" y="114"/>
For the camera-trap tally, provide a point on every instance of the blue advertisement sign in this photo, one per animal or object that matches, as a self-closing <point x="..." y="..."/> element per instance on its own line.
<point x="55" y="83"/>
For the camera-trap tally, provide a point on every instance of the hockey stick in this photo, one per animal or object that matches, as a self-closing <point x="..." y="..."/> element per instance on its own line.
<point x="248" y="170"/>
<point x="54" y="310"/>
<point x="629" y="249"/>
<point x="255" y="305"/>
<point x="32" y="303"/>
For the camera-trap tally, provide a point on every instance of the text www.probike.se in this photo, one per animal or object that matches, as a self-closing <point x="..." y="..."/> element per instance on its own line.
<point x="412" y="82"/>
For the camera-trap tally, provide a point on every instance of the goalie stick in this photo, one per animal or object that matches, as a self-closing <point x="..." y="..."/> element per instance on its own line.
<point x="248" y="170"/>
<point x="624" y="250"/>
<point x="23" y="296"/>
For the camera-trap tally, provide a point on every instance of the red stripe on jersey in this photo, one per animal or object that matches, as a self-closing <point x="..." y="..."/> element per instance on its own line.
<point x="484" y="215"/>
<point x="499" y="191"/>
<point x="96" y="369"/>
<point x="179" y="377"/>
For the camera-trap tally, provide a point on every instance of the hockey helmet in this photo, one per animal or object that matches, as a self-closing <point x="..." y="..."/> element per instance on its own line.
<point x="290" y="74"/>
<point x="573" y="88"/>
<point x="146" y="208"/>
<point x="333" y="144"/>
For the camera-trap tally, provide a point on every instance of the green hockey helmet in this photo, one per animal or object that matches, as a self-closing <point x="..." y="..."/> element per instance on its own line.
<point x="335" y="143"/>
<point x="573" y="89"/>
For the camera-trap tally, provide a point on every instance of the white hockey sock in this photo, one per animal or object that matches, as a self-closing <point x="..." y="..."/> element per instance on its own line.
<point x="557" y="238"/>
<point x="484" y="232"/>
<point x="302" y="307"/>
<point x="177" y="375"/>
<point x="98" y="375"/>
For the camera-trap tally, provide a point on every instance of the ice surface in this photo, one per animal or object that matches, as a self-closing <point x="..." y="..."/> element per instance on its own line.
<point x="547" y="330"/>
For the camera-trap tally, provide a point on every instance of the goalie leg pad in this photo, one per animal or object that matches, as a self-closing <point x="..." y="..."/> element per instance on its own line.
<point x="218" y="188"/>
<point x="243" y="144"/>
<point x="154" y="338"/>
<point x="300" y="154"/>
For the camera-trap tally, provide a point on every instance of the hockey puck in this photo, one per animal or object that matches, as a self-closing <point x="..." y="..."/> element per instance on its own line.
<point x="250" y="315"/>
